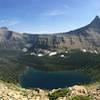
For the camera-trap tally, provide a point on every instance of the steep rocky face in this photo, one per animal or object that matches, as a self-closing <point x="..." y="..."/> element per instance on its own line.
<point x="95" y="24"/>
<point x="10" y="39"/>
<point x="44" y="41"/>
<point x="87" y="37"/>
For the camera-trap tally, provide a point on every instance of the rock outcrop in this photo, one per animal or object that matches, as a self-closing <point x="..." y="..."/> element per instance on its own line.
<point x="87" y="37"/>
<point x="10" y="39"/>
<point x="10" y="91"/>
<point x="78" y="90"/>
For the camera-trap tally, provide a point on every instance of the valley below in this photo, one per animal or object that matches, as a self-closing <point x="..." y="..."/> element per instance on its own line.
<point x="28" y="77"/>
<point x="60" y="66"/>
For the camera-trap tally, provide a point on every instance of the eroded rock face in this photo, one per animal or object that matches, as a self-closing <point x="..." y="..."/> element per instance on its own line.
<point x="10" y="39"/>
<point x="87" y="37"/>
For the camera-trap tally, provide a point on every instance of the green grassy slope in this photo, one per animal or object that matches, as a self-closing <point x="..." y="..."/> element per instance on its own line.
<point x="14" y="63"/>
<point x="72" y="61"/>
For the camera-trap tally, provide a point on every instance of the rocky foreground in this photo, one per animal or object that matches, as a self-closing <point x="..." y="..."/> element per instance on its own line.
<point x="12" y="92"/>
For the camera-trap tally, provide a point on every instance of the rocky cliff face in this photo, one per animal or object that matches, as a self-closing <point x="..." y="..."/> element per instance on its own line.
<point x="10" y="39"/>
<point x="87" y="37"/>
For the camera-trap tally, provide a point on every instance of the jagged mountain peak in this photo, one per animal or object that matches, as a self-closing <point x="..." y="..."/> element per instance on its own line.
<point x="97" y="18"/>
<point x="87" y="37"/>
<point x="95" y="23"/>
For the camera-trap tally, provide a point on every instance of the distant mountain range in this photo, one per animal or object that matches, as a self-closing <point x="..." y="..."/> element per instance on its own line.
<point x="87" y="37"/>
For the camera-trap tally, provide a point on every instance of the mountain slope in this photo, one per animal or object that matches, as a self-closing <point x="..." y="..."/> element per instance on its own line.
<point x="10" y="39"/>
<point x="87" y="37"/>
<point x="91" y="32"/>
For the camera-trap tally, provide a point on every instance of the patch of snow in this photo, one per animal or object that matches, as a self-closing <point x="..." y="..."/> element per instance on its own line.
<point x="84" y="50"/>
<point x="24" y="49"/>
<point x="53" y="53"/>
<point x="62" y="56"/>
<point x="40" y="55"/>
<point x="32" y="53"/>
<point x="66" y="51"/>
<point x="46" y="51"/>
<point x="95" y="51"/>
<point x="91" y="51"/>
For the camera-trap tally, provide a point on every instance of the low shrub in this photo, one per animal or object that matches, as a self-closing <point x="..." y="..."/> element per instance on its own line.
<point x="59" y="93"/>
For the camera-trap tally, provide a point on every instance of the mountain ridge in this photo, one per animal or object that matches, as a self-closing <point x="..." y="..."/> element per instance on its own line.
<point x="87" y="37"/>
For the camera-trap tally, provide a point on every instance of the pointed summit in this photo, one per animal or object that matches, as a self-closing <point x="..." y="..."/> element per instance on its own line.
<point x="96" y="22"/>
<point x="97" y="18"/>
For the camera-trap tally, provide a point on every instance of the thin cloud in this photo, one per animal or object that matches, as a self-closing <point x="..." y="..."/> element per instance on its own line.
<point x="9" y="22"/>
<point x="54" y="13"/>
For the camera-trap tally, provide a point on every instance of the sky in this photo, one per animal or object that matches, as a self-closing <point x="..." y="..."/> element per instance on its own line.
<point x="47" y="16"/>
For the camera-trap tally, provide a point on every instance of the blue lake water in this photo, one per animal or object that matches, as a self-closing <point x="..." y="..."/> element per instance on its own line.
<point x="48" y="80"/>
